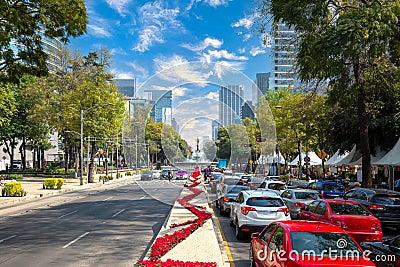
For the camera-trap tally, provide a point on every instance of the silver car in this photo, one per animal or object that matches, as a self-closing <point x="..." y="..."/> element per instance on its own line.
<point x="295" y="199"/>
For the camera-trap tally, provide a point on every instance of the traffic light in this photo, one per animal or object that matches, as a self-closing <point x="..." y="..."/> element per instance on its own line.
<point x="260" y="139"/>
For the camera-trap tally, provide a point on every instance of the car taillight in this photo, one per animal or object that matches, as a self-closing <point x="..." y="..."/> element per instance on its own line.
<point x="245" y="210"/>
<point x="226" y="199"/>
<point x="284" y="210"/>
<point x="375" y="207"/>
<point x="376" y="227"/>
<point x="299" y="204"/>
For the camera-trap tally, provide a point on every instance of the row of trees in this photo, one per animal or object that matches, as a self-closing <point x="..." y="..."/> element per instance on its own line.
<point x="354" y="46"/>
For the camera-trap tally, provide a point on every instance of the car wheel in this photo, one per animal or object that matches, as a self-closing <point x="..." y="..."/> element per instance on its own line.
<point x="238" y="232"/>
<point x="251" y="257"/>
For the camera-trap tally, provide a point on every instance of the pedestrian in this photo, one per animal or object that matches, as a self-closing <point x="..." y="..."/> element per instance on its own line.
<point x="169" y="175"/>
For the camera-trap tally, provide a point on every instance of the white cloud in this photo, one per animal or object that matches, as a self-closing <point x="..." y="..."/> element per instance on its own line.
<point x="207" y="42"/>
<point x="179" y="91"/>
<point x="223" y="54"/>
<point x="155" y="20"/>
<point x="246" y="37"/>
<point x="213" y="96"/>
<point x="122" y="75"/>
<point x="119" y="5"/>
<point x="246" y="22"/>
<point x="117" y="51"/>
<point x="215" y="3"/>
<point x="98" y="31"/>
<point x="178" y="70"/>
<point x="256" y="51"/>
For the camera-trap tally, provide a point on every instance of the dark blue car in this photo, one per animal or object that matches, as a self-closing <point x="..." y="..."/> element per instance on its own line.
<point x="328" y="189"/>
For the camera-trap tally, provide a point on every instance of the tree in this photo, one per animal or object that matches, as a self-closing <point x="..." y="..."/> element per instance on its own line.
<point x="210" y="149"/>
<point x="28" y="23"/>
<point x="347" y="43"/>
<point x="7" y="102"/>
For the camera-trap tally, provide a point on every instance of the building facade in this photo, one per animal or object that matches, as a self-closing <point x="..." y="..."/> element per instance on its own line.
<point x="247" y="111"/>
<point x="285" y="50"/>
<point x="261" y="86"/>
<point x="230" y="104"/>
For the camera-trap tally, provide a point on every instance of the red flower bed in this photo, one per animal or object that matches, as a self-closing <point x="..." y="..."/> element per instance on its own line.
<point x="165" y="243"/>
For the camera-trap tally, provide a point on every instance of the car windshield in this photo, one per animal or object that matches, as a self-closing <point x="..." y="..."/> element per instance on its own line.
<point x="217" y="175"/>
<point x="333" y="188"/>
<point x="349" y="209"/>
<point x="389" y="199"/>
<point x="256" y="180"/>
<point x="237" y="189"/>
<point x="306" y="195"/>
<point x="277" y="186"/>
<point x="232" y="181"/>
<point x="265" y="202"/>
<point x="319" y="243"/>
<point x="147" y="173"/>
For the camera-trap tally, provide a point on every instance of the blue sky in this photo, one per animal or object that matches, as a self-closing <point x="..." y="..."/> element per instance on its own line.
<point x="145" y="36"/>
<point x="164" y="44"/>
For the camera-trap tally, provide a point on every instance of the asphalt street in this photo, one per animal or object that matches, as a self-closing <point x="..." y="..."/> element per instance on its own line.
<point x="106" y="227"/>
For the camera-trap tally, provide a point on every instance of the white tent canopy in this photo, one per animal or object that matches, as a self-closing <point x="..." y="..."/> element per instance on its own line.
<point x="314" y="159"/>
<point x="392" y="157"/>
<point x="352" y="156"/>
<point x="270" y="159"/>
<point x="374" y="159"/>
<point x="336" y="158"/>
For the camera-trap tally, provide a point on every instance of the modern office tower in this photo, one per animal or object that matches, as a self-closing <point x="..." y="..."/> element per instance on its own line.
<point x="52" y="47"/>
<point x="261" y="86"/>
<point x="215" y="125"/>
<point x="127" y="87"/>
<point x="230" y="104"/>
<point x="247" y="111"/>
<point x="162" y="107"/>
<point x="285" y="75"/>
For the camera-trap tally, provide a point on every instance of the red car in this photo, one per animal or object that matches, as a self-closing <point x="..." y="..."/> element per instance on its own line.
<point x="305" y="244"/>
<point x="351" y="216"/>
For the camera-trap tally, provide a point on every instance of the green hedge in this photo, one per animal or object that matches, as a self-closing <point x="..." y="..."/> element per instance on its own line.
<point x="13" y="189"/>
<point x="15" y="176"/>
<point x="52" y="183"/>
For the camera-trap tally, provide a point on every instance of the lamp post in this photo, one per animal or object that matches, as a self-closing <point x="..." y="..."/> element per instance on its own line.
<point x="81" y="141"/>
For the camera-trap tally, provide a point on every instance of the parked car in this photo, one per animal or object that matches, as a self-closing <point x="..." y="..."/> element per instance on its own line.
<point x="224" y="202"/>
<point x="302" y="243"/>
<point x="215" y="181"/>
<point x="353" y="217"/>
<point x="245" y="178"/>
<point x="388" y="249"/>
<point x="146" y="176"/>
<point x="255" y="209"/>
<point x="156" y="174"/>
<point x="295" y="199"/>
<point x="328" y="189"/>
<point x="164" y="173"/>
<point x="277" y="186"/>
<point x="254" y="182"/>
<point x="228" y="180"/>
<point x="181" y="175"/>
<point x="383" y="203"/>
<point x="294" y="183"/>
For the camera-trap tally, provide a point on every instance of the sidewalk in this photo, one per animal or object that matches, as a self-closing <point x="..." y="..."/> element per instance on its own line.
<point x="34" y="188"/>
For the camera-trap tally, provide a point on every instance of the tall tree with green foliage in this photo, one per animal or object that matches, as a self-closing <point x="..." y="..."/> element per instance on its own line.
<point x="28" y="23"/>
<point x="347" y="43"/>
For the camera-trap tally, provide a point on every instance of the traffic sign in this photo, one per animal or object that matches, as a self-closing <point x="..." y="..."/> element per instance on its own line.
<point x="307" y="159"/>
<point x="322" y="154"/>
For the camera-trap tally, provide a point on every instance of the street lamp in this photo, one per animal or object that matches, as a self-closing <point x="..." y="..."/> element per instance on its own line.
<point x="81" y="141"/>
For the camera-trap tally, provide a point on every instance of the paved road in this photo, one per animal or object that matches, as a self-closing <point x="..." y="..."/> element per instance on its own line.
<point x="106" y="227"/>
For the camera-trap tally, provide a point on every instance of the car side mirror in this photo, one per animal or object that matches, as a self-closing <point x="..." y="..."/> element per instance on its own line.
<point x="255" y="235"/>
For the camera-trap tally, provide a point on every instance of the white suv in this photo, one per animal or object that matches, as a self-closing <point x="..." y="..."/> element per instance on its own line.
<point x="255" y="209"/>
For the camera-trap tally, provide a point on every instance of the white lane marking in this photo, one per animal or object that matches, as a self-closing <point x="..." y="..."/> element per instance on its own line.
<point x="107" y="198"/>
<point x="142" y="197"/>
<point x="76" y="239"/>
<point x="115" y="214"/>
<point x="72" y="212"/>
<point x="2" y="240"/>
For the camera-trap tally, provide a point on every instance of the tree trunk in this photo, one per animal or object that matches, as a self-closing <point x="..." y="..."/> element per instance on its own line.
<point x="363" y="127"/>
<point x="91" y="164"/>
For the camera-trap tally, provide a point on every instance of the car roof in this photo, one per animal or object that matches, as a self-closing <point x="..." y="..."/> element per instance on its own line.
<point x="274" y="182"/>
<point x="259" y="193"/>
<point x="375" y="191"/>
<point x="301" y="190"/>
<point x="338" y="201"/>
<point x="309" y="226"/>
